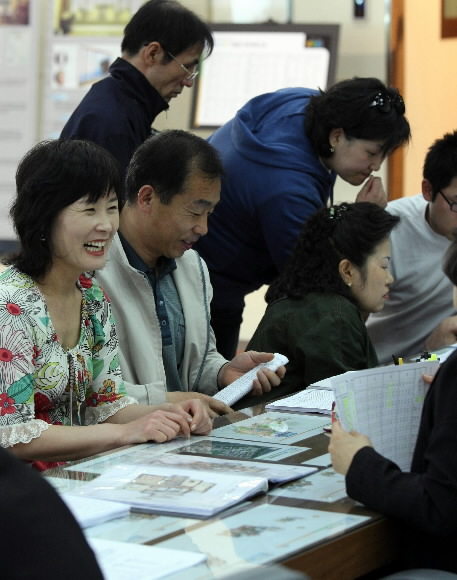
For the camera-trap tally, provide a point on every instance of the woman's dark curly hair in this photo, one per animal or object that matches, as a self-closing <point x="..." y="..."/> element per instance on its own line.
<point x="364" y="108"/>
<point x="347" y="231"/>
<point x="50" y="177"/>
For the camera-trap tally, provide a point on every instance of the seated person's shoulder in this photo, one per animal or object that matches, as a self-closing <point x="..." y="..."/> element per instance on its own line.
<point x="404" y="205"/>
<point x="313" y="306"/>
<point x="190" y="259"/>
<point x="10" y="276"/>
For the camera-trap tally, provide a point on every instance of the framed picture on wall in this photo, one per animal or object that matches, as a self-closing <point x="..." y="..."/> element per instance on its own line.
<point x="448" y="18"/>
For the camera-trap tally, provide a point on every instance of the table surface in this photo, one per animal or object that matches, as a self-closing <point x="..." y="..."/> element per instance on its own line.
<point x="342" y="551"/>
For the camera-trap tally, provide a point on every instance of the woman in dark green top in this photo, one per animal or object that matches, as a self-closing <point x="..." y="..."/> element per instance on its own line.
<point x="337" y="274"/>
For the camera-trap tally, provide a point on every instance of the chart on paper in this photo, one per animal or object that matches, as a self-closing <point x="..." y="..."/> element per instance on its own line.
<point x="385" y="403"/>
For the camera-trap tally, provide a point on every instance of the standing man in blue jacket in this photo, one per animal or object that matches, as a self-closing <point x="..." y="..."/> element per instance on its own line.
<point x="282" y="153"/>
<point x="162" y="46"/>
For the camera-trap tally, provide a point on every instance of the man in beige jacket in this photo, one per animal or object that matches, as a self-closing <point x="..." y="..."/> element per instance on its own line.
<point x="159" y="286"/>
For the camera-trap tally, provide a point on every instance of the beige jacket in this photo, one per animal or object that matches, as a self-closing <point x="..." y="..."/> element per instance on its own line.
<point x="137" y="326"/>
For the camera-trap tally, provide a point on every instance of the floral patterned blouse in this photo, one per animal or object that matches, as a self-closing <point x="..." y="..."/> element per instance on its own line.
<point x="42" y="383"/>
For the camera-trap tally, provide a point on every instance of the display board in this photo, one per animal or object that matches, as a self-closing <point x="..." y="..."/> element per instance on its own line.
<point x="251" y="59"/>
<point x="18" y="97"/>
<point x="82" y="39"/>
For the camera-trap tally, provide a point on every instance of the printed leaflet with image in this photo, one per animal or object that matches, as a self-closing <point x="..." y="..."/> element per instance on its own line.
<point x="242" y="386"/>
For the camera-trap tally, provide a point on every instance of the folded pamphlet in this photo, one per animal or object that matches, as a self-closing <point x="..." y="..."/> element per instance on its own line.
<point x="242" y="386"/>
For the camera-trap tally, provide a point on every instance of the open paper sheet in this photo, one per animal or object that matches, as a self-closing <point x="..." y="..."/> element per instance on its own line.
<point x="271" y="532"/>
<point x="282" y="428"/>
<point x="90" y="512"/>
<point x="325" y="485"/>
<point x="122" y="561"/>
<point x="139" y="528"/>
<point x="385" y="403"/>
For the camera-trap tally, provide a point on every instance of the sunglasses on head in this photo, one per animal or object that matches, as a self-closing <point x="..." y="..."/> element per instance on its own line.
<point x="384" y="103"/>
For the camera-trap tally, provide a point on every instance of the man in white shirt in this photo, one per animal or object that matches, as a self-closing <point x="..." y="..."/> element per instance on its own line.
<point x="419" y="314"/>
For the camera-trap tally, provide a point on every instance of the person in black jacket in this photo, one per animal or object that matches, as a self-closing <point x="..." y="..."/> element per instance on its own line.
<point x="424" y="500"/>
<point x="162" y="46"/>
<point x="41" y="537"/>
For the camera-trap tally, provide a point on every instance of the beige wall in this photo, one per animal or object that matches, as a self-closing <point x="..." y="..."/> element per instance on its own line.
<point x="430" y="85"/>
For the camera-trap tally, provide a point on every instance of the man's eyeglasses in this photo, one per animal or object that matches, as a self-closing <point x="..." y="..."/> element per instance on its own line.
<point x="452" y="204"/>
<point x="384" y="103"/>
<point x="191" y="74"/>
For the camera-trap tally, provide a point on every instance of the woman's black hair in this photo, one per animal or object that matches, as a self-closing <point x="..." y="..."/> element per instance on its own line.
<point x="347" y="231"/>
<point x="365" y="108"/>
<point x="50" y="177"/>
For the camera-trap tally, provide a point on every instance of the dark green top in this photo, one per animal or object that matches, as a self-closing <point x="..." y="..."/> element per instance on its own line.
<point x="321" y="334"/>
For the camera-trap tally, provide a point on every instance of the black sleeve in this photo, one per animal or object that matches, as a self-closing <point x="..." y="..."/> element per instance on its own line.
<point x="43" y="538"/>
<point x="426" y="497"/>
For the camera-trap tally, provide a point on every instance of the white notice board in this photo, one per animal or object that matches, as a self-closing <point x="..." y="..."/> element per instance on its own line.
<point x="248" y="62"/>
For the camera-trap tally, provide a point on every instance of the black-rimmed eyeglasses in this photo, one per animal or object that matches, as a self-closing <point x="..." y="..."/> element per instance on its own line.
<point x="384" y="103"/>
<point x="452" y="204"/>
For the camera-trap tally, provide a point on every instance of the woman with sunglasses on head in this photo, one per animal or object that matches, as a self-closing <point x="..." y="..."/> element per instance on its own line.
<point x="423" y="501"/>
<point x="58" y="345"/>
<point x="282" y="153"/>
<point x="337" y="274"/>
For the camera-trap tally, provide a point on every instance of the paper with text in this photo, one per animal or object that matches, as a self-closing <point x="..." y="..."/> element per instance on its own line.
<point x="385" y="403"/>
<point x="306" y="401"/>
<point x="122" y="561"/>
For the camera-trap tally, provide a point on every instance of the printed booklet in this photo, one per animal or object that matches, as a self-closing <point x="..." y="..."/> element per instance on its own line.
<point x="172" y="490"/>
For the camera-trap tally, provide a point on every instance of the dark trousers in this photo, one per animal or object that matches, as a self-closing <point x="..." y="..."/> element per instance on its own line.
<point x="226" y="324"/>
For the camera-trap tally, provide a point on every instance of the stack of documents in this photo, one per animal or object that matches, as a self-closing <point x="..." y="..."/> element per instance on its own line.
<point x="306" y="401"/>
<point x="91" y="512"/>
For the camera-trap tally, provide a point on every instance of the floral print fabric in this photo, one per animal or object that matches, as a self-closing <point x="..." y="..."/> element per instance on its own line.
<point x="41" y="382"/>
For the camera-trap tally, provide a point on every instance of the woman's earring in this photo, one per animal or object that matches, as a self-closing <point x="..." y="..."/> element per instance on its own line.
<point x="349" y="284"/>
<point x="332" y="149"/>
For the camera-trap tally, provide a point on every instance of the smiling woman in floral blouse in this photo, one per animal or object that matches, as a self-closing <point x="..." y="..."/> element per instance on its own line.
<point x="59" y="365"/>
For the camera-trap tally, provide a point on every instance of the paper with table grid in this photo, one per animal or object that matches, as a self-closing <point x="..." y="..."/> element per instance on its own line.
<point x="385" y="403"/>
